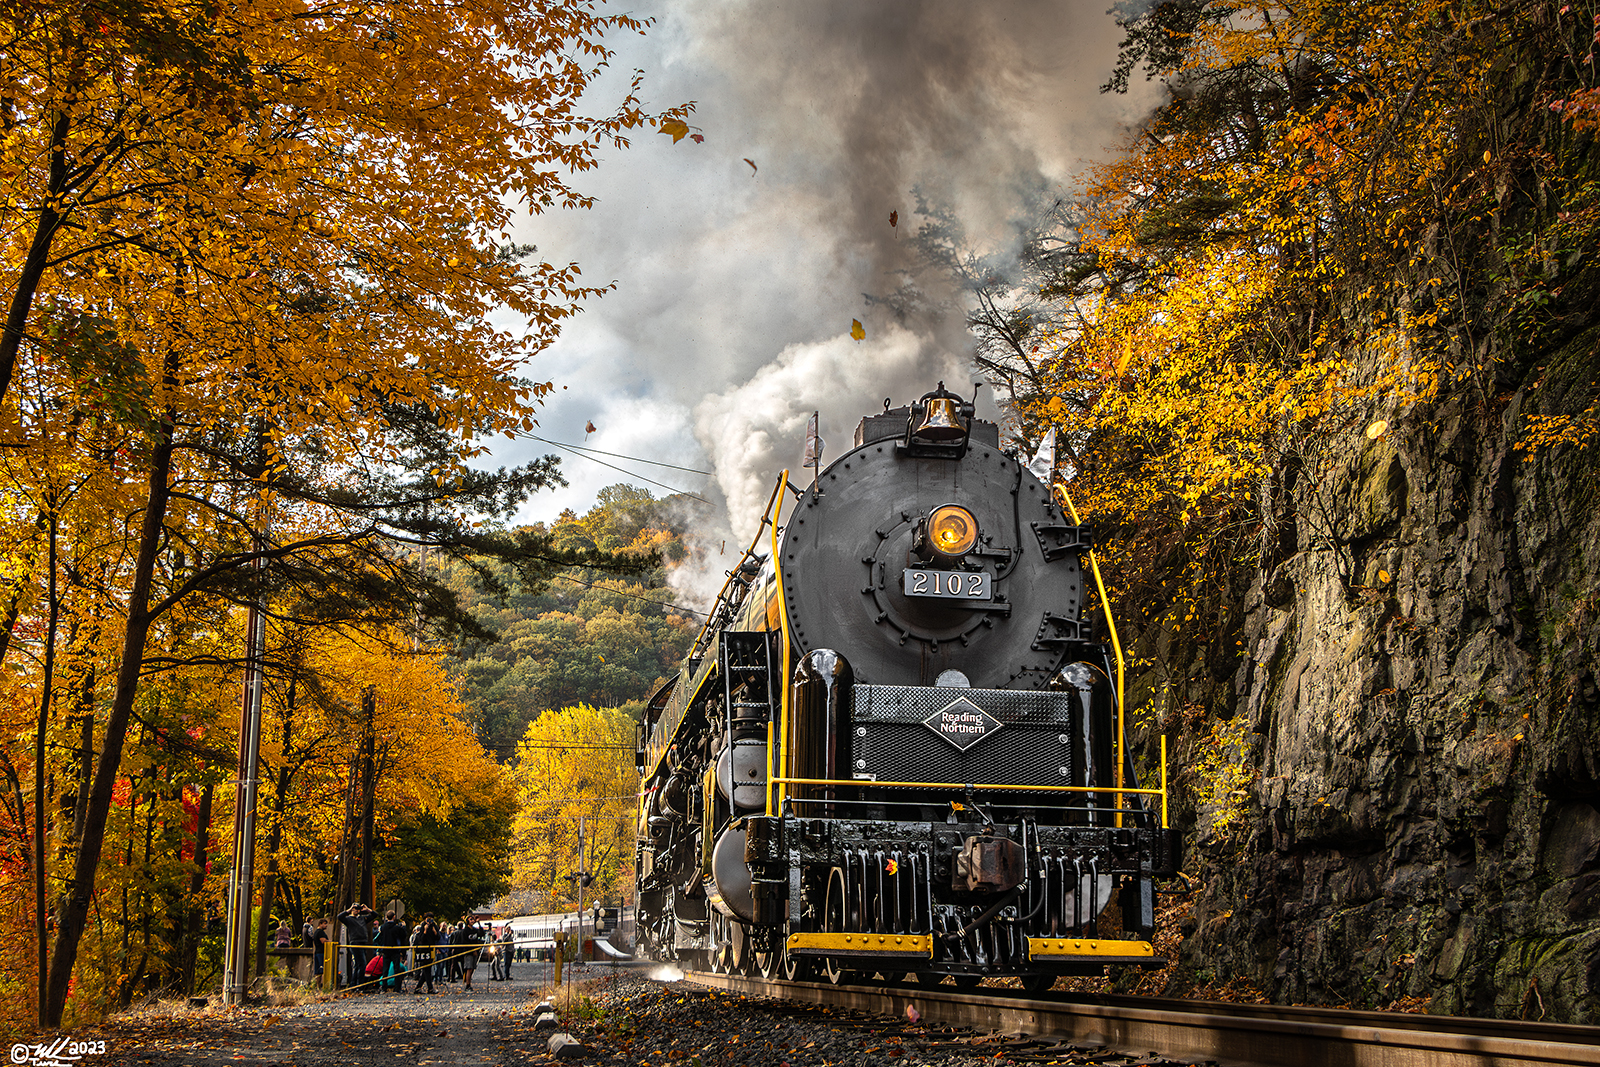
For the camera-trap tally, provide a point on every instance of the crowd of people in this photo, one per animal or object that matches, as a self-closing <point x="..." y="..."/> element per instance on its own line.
<point x="380" y="953"/>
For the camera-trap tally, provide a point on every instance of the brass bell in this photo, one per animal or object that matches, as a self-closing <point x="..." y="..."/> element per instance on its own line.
<point x="941" y="420"/>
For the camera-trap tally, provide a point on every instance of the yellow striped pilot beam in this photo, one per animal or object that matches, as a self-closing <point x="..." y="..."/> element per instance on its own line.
<point x="904" y="946"/>
<point x="1045" y="948"/>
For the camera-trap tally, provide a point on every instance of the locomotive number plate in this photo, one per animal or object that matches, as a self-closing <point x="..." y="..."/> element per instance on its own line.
<point x="957" y="585"/>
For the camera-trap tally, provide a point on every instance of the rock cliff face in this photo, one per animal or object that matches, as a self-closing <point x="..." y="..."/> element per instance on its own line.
<point x="1414" y="699"/>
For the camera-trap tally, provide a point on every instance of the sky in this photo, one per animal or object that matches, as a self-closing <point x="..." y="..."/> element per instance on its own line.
<point x="736" y="284"/>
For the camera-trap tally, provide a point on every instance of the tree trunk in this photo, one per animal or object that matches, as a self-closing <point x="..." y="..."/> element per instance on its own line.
<point x="74" y="911"/>
<point x="38" y="254"/>
<point x="269" y="888"/>
<point x="41" y="928"/>
<point x="196" y="912"/>
<point x="83" y="718"/>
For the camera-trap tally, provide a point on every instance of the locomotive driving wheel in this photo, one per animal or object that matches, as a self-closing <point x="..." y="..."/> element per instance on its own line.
<point x="718" y="952"/>
<point x="739" y="954"/>
<point x="835" y="920"/>
<point x="769" y="953"/>
<point x="794" y="968"/>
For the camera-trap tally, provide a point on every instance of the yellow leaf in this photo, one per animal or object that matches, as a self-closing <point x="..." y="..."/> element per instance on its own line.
<point x="676" y="127"/>
<point x="858" y="331"/>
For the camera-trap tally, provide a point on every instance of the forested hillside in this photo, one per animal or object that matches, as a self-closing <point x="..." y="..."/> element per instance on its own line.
<point x="588" y="636"/>
<point x="1324" y="347"/>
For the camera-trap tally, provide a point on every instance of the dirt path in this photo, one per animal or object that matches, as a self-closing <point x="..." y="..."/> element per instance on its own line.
<point x="493" y="1024"/>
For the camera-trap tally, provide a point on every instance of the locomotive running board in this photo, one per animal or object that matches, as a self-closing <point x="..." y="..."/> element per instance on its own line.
<point x="877" y="946"/>
<point x="1102" y="951"/>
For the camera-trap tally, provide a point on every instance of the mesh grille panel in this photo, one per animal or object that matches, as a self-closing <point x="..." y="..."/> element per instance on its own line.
<point x="900" y="703"/>
<point x="892" y="743"/>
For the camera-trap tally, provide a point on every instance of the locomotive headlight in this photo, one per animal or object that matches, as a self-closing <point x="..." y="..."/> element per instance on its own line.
<point x="952" y="531"/>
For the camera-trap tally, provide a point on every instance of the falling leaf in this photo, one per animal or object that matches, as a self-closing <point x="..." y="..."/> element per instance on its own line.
<point x="894" y="219"/>
<point x="752" y="163"/>
<point x="1383" y="576"/>
<point x="913" y="1014"/>
<point x="589" y="427"/>
<point x="698" y="138"/>
<point x="858" y="331"/>
<point x="676" y="127"/>
<point x="1376" y="430"/>
<point x="891" y="867"/>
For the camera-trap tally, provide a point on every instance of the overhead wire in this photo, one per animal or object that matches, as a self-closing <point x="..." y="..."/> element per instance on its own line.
<point x="616" y="455"/>
<point x="582" y="453"/>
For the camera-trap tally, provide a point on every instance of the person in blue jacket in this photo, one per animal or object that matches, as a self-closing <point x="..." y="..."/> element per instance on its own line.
<point x="394" y="937"/>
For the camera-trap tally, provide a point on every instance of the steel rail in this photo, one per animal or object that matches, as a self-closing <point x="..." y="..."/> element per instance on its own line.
<point x="1228" y="1033"/>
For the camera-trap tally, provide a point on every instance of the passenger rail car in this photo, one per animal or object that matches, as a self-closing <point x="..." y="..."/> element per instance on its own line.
<point x="897" y="745"/>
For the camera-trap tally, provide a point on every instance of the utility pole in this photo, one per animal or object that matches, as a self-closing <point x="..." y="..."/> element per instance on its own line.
<point x="369" y="787"/>
<point x="583" y="873"/>
<point x="348" y="874"/>
<point x="236" y="965"/>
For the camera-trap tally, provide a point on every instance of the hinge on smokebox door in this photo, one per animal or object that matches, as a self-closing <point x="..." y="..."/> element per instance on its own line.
<point x="1060" y="632"/>
<point x="1058" y="539"/>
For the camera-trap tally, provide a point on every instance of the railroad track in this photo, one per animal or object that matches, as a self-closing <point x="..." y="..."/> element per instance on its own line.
<point x="1229" y="1033"/>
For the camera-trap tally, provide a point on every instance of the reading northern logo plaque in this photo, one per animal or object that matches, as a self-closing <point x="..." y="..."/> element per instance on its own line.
<point x="962" y="723"/>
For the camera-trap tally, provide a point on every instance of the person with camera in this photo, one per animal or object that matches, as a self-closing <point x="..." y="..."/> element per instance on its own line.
<point x="358" y="940"/>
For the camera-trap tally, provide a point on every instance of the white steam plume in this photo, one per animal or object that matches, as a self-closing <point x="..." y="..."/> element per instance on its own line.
<point x="755" y="429"/>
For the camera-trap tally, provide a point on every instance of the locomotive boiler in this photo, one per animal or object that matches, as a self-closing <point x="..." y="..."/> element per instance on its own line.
<point x="897" y="744"/>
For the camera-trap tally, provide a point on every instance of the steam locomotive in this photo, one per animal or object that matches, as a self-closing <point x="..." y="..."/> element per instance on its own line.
<point x="897" y="745"/>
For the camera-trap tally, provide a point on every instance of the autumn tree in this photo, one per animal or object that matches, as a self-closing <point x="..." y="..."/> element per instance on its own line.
<point x="449" y="866"/>
<point x="252" y="257"/>
<point x="1340" y="211"/>
<point x="574" y="763"/>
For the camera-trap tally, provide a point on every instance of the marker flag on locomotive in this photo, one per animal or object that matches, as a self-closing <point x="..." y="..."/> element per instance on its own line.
<point x="1044" y="460"/>
<point x="814" y="443"/>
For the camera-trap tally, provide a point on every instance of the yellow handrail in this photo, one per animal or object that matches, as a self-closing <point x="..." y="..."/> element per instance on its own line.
<point x="1116" y="645"/>
<point x="868" y="782"/>
<point x="783" y="662"/>
<point x="1163" y="781"/>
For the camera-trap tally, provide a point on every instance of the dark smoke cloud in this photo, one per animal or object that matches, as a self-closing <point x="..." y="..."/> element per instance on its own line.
<point x="737" y="288"/>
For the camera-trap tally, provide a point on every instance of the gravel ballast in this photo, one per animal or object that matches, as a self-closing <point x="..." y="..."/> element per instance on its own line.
<point x="626" y="1018"/>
